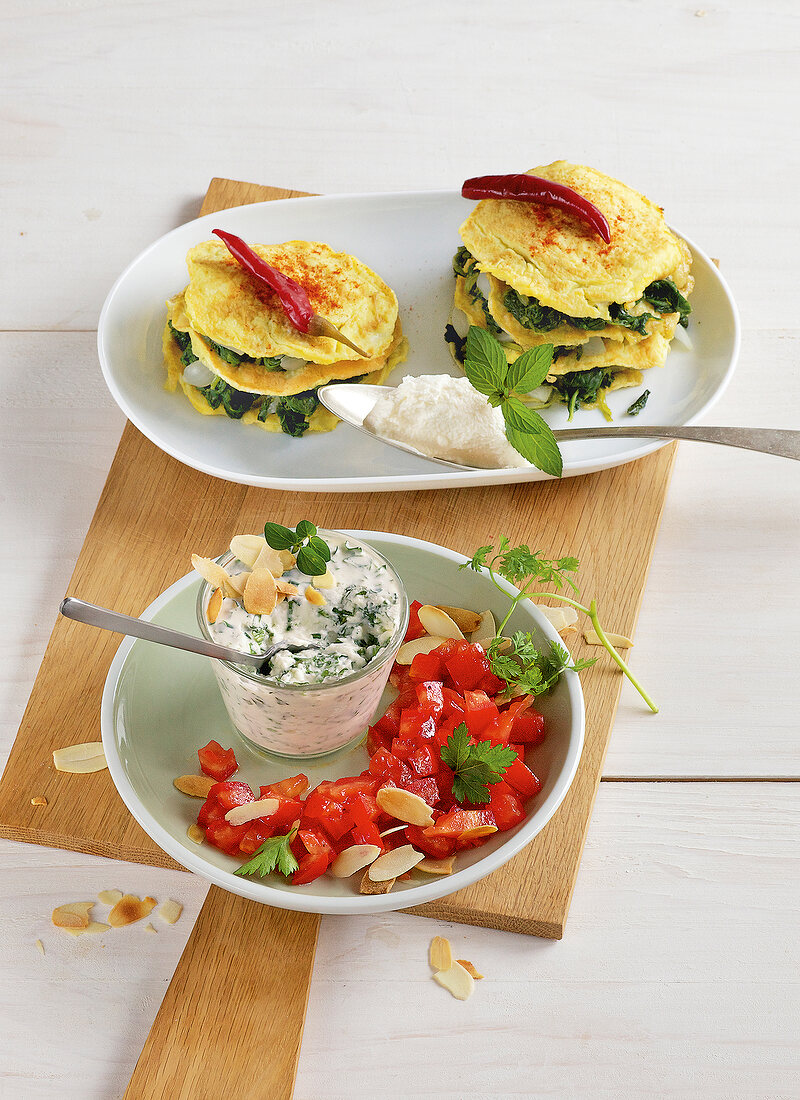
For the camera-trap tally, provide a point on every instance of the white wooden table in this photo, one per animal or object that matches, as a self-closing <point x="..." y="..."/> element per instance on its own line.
<point x="678" y="975"/>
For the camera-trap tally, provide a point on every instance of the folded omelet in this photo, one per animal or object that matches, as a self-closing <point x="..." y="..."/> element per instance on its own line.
<point x="231" y="349"/>
<point x="534" y="274"/>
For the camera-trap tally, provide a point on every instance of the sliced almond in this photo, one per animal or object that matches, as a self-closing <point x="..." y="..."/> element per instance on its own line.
<point x="324" y="581"/>
<point x="409" y="650"/>
<point x="470" y="968"/>
<point x="80" y="759"/>
<point x="149" y="928"/>
<point x="246" y="548"/>
<point x="619" y="641"/>
<point x="262" y="807"/>
<point x="477" y="831"/>
<point x="129" y="909"/>
<point x="438" y="622"/>
<point x="352" y="859"/>
<point x="170" y="910"/>
<point x="40" y="947"/>
<point x="38" y="800"/>
<point x="238" y="583"/>
<point x="315" y="597"/>
<point x="214" y="605"/>
<point x="195" y="833"/>
<point x="285" y="588"/>
<point x="404" y="805"/>
<point x="436" y="866"/>
<point x="288" y="559"/>
<point x="457" y="980"/>
<point x="110" y="897"/>
<point x="269" y="559"/>
<point x="394" y="863"/>
<point x="558" y="617"/>
<point x="394" y="829"/>
<point x="211" y="571"/>
<point x="197" y="786"/>
<point x="465" y="620"/>
<point x="486" y="628"/>
<point x="367" y="886"/>
<point x="93" y="928"/>
<point x="440" y="953"/>
<point x="75" y="914"/>
<point x="260" y="594"/>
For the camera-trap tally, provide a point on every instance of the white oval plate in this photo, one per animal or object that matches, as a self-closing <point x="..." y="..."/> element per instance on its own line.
<point x="409" y="239"/>
<point x="161" y="705"/>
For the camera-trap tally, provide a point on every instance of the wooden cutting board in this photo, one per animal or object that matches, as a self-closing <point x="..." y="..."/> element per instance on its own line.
<point x="152" y="514"/>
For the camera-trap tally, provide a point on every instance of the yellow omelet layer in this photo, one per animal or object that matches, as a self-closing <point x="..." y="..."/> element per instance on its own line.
<point x="615" y="356"/>
<point x="234" y="310"/>
<point x="549" y="254"/>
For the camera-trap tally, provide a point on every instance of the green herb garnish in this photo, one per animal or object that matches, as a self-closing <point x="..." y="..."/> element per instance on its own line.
<point x="491" y="374"/>
<point x="274" y="854"/>
<point x="475" y="767"/>
<point x="311" y="551"/>
<point x="524" y="664"/>
<point x="638" y="404"/>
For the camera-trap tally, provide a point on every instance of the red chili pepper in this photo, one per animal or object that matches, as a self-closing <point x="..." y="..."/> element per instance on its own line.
<point x="293" y="298"/>
<point x="525" y="188"/>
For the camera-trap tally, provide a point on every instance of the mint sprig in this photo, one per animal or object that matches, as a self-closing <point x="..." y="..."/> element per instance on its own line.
<point x="311" y="551"/>
<point x="487" y="368"/>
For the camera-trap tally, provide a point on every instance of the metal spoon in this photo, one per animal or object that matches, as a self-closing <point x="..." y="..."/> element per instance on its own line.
<point x="102" y="617"/>
<point x="352" y="402"/>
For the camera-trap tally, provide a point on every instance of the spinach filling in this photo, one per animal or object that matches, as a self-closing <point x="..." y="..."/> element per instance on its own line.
<point x="464" y="265"/>
<point x="665" y="297"/>
<point x="579" y="388"/>
<point x="662" y="295"/>
<point x="235" y="358"/>
<point x="533" y="315"/>
<point x="184" y="342"/>
<point x="456" y="342"/>
<point x="234" y="402"/>
<point x="638" y="404"/>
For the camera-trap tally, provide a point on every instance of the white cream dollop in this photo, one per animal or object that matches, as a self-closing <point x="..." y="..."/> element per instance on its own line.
<point x="445" y="417"/>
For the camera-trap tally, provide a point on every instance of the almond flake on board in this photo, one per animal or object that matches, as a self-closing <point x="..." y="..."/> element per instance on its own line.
<point x="315" y="597"/>
<point x="369" y="887"/>
<point x="440" y="953"/>
<point x="394" y="863"/>
<point x="109" y="897"/>
<point x="457" y="981"/>
<point x="149" y="928"/>
<point x="409" y="650"/>
<point x="129" y="909"/>
<point x="170" y="910"/>
<point x="404" y="805"/>
<point x="438" y="622"/>
<point x="38" y="800"/>
<point x="262" y="807"/>
<point x="561" y="618"/>
<point x="195" y="833"/>
<point x="246" y="548"/>
<point x="436" y="866"/>
<point x="619" y="641"/>
<point x="471" y="969"/>
<point x="214" y="605"/>
<point x="74" y="914"/>
<point x="260" y="593"/>
<point x="197" y="786"/>
<point x="80" y="759"/>
<point x="466" y="621"/>
<point x="352" y="859"/>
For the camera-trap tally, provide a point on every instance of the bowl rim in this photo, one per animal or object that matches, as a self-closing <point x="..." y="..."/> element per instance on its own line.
<point x="297" y="900"/>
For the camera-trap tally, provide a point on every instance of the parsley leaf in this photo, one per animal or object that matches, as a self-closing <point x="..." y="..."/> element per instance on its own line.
<point x="274" y="854"/>
<point x="475" y="766"/>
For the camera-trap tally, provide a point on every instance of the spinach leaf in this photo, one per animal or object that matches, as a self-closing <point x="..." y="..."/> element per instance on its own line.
<point x="665" y="297"/>
<point x="464" y="265"/>
<point x="234" y="358"/>
<point x="533" y="315"/>
<point x="184" y="342"/>
<point x="638" y="404"/>
<point x="581" y="387"/>
<point x="620" y="316"/>
<point x="235" y="402"/>
<point x="456" y="342"/>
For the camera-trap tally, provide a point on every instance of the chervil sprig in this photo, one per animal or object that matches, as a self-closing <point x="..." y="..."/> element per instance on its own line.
<point x="311" y="551"/>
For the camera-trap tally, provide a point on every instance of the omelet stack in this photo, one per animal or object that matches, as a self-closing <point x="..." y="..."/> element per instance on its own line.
<point x="231" y="349"/>
<point x="610" y="310"/>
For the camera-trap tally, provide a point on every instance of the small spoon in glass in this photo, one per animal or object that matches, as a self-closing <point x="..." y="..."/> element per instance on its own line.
<point x="102" y="617"/>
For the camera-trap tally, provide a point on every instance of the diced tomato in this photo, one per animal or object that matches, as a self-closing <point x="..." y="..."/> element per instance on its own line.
<point x="481" y="711"/>
<point x="423" y="760"/>
<point x="427" y="789"/>
<point x="288" y="811"/>
<point x="293" y="787"/>
<point x="217" y="762"/>
<point x="378" y="739"/>
<point x="506" y="806"/>
<point x="431" y="697"/>
<point x="387" y="766"/>
<point x="399" y="677"/>
<point x="447" y="726"/>
<point x="402" y="747"/>
<point x="258" y="832"/>
<point x="417" y="722"/>
<point x="437" y="847"/>
<point x="453" y="702"/>
<point x="491" y="684"/>
<point x="390" y="721"/>
<point x="225" y="836"/>
<point x="467" y="666"/>
<point x="231" y="793"/>
<point x="210" y="811"/>
<point x="415" y="627"/>
<point x="457" y="821"/>
<point x="426" y="667"/>
<point x="522" y="779"/>
<point x="529" y="727"/>
<point x="345" y="789"/>
<point x="365" y="831"/>
<point x="310" y="867"/>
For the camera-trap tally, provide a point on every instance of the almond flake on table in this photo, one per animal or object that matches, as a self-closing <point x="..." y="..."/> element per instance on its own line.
<point x="561" y="618"/>
<point x="170" y="911"/>
<point x="110" y="897"/>
<point x="440" y="953"/>
<point x="38" y="800"/>
<point x="457" y="981"/>
<point x="40" y="947"/>
<point x="73" y="914"/>
<point x="149" y="928"/>
<point x="471" y="969"/>
<point x="93" y="928"/>
<point x="130" y="909"/>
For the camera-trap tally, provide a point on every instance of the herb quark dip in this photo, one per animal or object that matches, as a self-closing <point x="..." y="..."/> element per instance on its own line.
<point x="321" y="698"/>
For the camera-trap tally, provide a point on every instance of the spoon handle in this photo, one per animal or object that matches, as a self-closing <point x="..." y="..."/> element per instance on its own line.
<point x="102" y="617"/>
<point x="772" y="441"/>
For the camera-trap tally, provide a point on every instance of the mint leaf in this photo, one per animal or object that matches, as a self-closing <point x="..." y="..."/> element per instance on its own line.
<point x="531" y="369"/>
<point x="537" y="444"/>
<point x="279" y="537"/>
<point x="485" y="364"/>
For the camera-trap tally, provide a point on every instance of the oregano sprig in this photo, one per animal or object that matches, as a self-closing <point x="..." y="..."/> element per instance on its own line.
<point x="311" y="551"/>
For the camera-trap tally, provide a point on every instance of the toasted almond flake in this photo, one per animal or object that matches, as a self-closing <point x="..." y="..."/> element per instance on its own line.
<point x="440" y="953"/>
<point x="285" y="588"/>
<point x="80" y="759"/>
<point x="470" y="968"/>
<point x="214" y="604"/>
<point x="260" y="594"/>
<point x="238" y="583"/>
<point x="477" y="831"/>
<point x="324" y="581"/>
<point x="465" y="620"/>
<point x="246" y="548"/>
<point x="129" y="909"/>
<point x="93" y="928"/>
<point x="269" y="559"/>
<point x="404" y="805"/>
<point x="503" y="645"/>
<point x="619" y="641"/>
<point x="394" y="829"/>
<point x="438" y="623"/>
<point x="288" y="559"/>
<point x="558" y="617"/>
<point x="409" y="650"/>
<point x="195" y="833"/>
<point x="436" y="866"/>
<point x="212" y="572"/>
<point x="149" y="928"/>
<point x="352" y="859"/>
<point x="457" y="980"/>
<point x="367" y="886"/>
<point x="197" y="786"/>
<point x="38" y="800"/>
<point x="315" y="597"/>
<point x="40" y="947"/>
<point x="262" y="807"/>
<point x="567" y="631"/>
<point x="395" y="863"/>
<point x="74" y="914"/>
<point x="170" y="910"/>
<point x="110" y="897"/>
<point x="486" y="628"/>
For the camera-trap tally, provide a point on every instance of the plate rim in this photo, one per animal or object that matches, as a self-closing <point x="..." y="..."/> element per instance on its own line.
<point x="312" y="903"/>
<point x="435" y="479"/>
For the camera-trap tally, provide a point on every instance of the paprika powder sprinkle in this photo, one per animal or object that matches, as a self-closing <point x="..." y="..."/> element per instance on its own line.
<point x="524" y="188"/>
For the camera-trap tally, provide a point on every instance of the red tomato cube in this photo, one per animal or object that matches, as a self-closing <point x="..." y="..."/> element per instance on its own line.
<point x="217" y="762"/>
